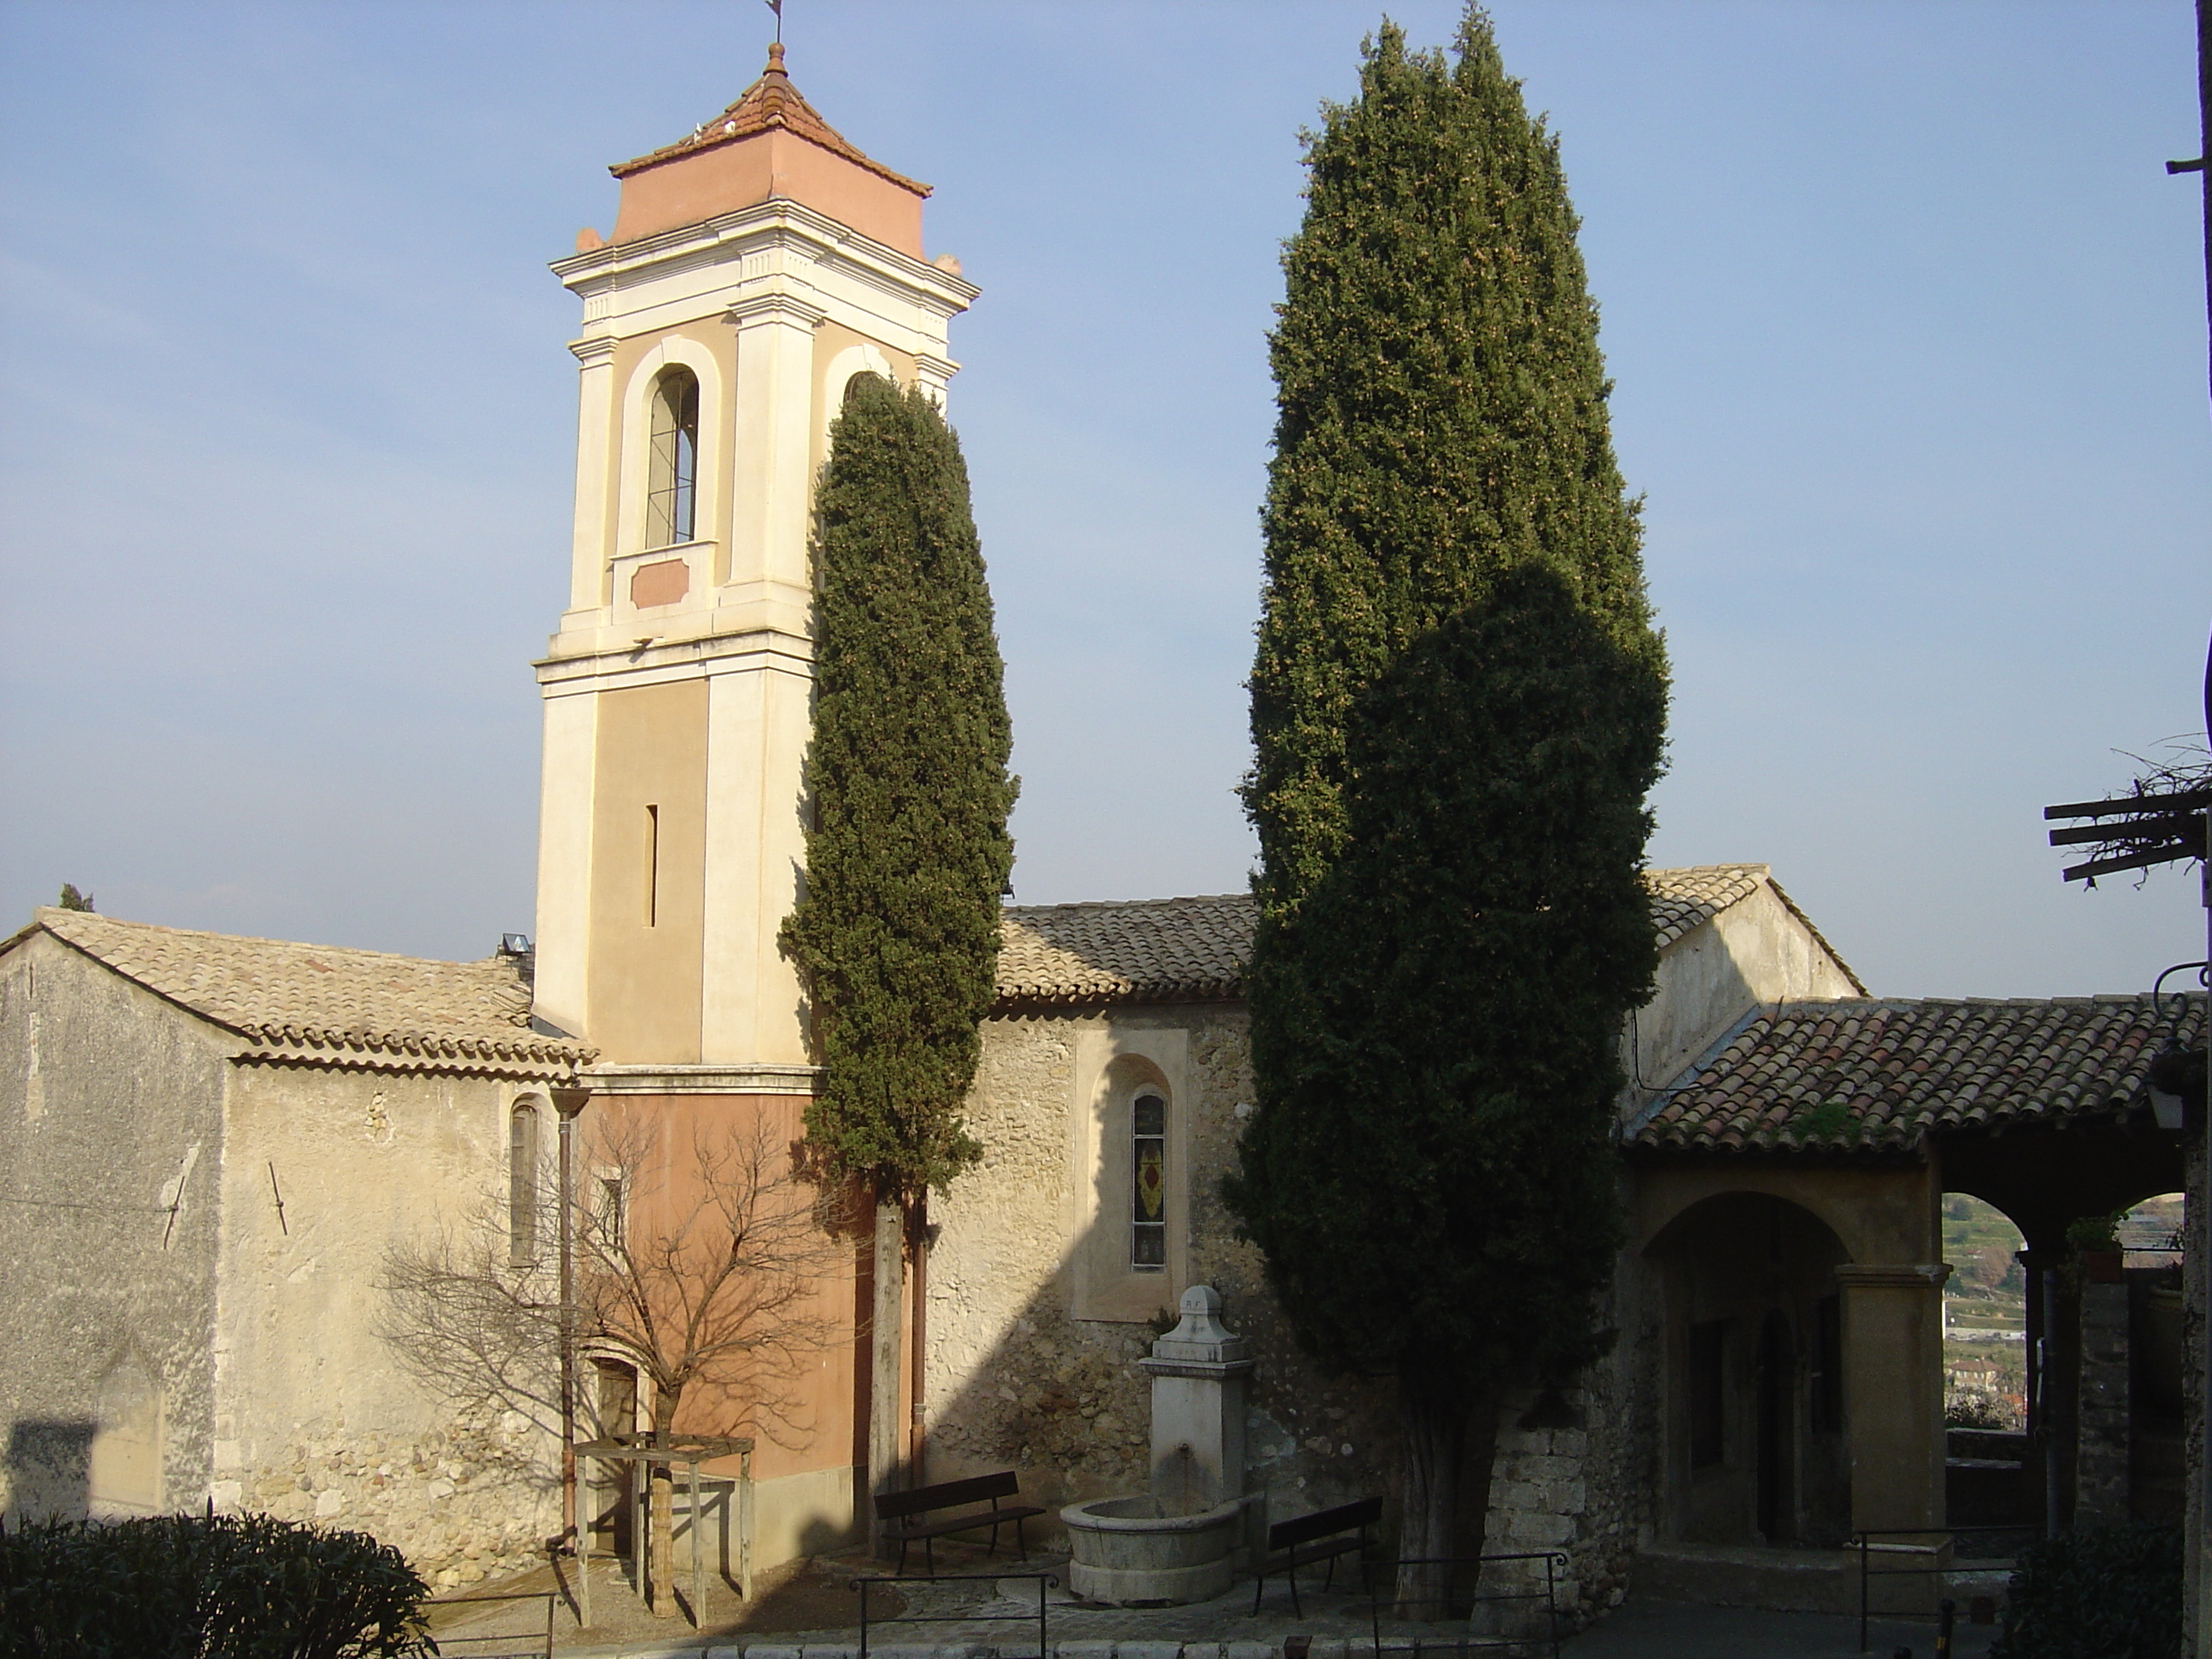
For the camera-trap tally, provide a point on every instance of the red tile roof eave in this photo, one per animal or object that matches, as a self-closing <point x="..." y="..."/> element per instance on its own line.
<point x="1009" y="1004"/>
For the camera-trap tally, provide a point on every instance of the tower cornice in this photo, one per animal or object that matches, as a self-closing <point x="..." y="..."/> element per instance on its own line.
<point x="608" y="268"/>
<point x="650" y="661"/>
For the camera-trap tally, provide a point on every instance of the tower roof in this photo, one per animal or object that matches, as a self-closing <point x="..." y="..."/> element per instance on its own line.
<point x="770" y="104"/>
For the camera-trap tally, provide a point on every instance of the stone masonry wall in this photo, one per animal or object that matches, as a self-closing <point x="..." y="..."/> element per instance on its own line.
<point x="2100" y="1467"/>
<point x="463" y="1503"/>
<point x="1014" y="1382"/>
<point x="319" y="1417"/>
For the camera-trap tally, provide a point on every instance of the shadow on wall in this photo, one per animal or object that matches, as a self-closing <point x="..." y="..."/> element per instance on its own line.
<point x="49" y="1466"/>
<point x="1046" y="1382"/>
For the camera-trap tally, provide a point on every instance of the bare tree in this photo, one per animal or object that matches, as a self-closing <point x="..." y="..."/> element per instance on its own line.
<point x="704" y="1271"/>
<point x="700" y="1265"/>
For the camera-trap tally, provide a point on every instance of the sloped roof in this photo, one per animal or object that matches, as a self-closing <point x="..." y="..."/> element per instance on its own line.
<point x="324" y="1004"/>
<point x="1881" y="1076"/>
<point x="1140" y="950"/>
<point x="771" y="101"/>
<point x="1194" y="949"/>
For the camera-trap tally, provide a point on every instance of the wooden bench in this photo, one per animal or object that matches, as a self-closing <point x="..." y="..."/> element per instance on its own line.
<point x="922" y="1500"/>
<point x="1322" y="1536"/>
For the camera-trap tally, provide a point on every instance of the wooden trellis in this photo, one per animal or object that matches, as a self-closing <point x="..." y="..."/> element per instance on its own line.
<point x="690" y="1450"/>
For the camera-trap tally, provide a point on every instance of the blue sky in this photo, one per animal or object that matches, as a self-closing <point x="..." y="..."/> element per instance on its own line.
<point x="1906" y="318"/>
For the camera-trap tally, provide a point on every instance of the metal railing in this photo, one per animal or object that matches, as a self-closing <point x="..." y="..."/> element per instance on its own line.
<point x="1554" y="1561"/>
<point x="1865" y="1544"/>
<point x="447" y="1643"/>
<point x="1044" y="1581"/>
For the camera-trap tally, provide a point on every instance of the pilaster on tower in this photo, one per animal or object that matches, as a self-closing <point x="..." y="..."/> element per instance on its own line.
<point x="756" y="265"/>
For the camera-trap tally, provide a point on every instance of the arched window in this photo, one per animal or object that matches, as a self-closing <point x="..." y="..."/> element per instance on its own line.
<point x="1148" y="1183"/>
<point x="673" y="470"/>
<point x="522" y="1185"/>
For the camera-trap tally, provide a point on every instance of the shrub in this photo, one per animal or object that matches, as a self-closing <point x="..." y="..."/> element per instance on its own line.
<point x="1979" y="1408"/>
<point x="2097" y="1593"/>
<point x="205" y="1587"/>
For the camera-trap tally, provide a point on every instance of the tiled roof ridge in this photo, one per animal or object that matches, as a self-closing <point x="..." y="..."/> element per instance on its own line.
<point x="1131" y="904"/>
<point x="2085" y="1000"/>
<point x="484" y="1005"/>
<point x="769" y="102"/>
<point x="1194" y="946"/>
<point x="45" y="916"/>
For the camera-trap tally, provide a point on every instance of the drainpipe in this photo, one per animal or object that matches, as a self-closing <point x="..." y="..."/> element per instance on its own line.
<point x="567" y="1103"/>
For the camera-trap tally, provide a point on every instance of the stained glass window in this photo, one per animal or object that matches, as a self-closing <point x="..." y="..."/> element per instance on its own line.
<point x="1148" y="1198"/>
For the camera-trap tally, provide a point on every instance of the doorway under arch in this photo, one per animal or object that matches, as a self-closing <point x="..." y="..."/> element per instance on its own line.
<point x="1753" y="1436"/>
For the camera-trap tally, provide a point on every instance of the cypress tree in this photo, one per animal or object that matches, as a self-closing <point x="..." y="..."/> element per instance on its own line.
<point x="1458" y="705"/>
<point x="897" y="934"/>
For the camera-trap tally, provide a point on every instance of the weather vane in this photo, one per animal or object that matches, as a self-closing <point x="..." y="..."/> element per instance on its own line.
<point x="776" y="6"/>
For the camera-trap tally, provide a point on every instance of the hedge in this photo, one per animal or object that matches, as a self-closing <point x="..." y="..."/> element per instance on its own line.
<point x="2097" y="1593"/>
<point x="205" y="1587"/>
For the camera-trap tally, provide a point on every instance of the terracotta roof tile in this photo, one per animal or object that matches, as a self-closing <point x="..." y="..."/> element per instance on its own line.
<point x="326" y="1006"/>
<point x="1881" y="1076"/>
<point x="770" y="101"/>
<point x="1163" y="950"/>
<point x="1142" y="949"/>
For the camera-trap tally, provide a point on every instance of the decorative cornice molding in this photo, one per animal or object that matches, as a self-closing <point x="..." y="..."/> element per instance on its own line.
<point x="758" y="1079"/>
<point x="1210" y="1370"/>
<point x="677" y="659"/>
<point x="595" y="351"/>
<point x="774" y="305"/>
<point x="782" y="218"/>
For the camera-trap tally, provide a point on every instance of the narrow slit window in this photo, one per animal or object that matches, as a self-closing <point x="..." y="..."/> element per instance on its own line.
<point x="653" y="866"/>
<point x="522" y="1186"/>
<point x="672" y="488"/>
<point x="614" y="1217"/>
<point x="1148" y="1198"/>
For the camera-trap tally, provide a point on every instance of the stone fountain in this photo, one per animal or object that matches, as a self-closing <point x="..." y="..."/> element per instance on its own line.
<point x="1179" y="1544"/>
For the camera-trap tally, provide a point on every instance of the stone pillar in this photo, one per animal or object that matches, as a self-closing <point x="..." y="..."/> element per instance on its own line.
<point x="2101" y="1456"/>
<point x="1893" y="1392"/>
<point x="1199" y="1371"/>
<point x="2046" y="1412"/>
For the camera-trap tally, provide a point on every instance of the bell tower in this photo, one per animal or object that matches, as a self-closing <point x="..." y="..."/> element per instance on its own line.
<point x="756" y="265"/>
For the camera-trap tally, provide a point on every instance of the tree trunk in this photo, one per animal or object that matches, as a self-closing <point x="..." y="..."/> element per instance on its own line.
<point x="661" y="1512"/>
<point x="1432" y="1424"/>
<point x="887" y="1425"/>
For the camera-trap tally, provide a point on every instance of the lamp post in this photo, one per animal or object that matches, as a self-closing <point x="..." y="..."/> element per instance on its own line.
<point x="568" y="1102"/>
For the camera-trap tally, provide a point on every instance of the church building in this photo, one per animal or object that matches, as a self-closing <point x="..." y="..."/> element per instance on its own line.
<point x="212" y="1146"/>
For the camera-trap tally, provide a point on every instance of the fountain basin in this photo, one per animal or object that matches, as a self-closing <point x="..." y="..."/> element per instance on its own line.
<point x="1129" y="1553"/>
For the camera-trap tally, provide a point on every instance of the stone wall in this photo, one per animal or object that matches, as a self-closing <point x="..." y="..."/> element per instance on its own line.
<point x="111" y="1145"/>
<point x="463" y="1502"/>
<point x="180" y="1337"/>
<point x="318" y="1418"/>
<point x="1014" y="1380"/>
<point x="2100" y="1460"/>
